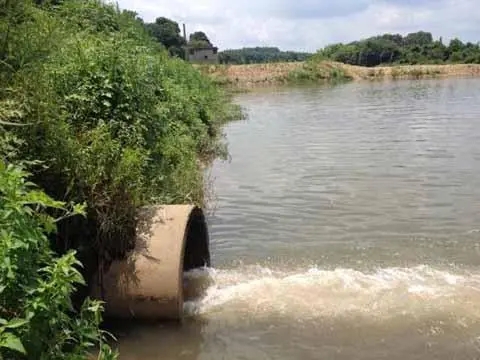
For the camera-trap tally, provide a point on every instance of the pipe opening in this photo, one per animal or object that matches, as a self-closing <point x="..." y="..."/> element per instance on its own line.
<point x="196" y="253"/>
<point x="171" y="242"/>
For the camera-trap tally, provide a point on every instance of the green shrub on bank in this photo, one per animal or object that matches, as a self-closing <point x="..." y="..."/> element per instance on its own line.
<point x="115" y="121"/>
<point x="101" y="115"/>
<point x="316" y="71"/>
<point x="37" y="320"/>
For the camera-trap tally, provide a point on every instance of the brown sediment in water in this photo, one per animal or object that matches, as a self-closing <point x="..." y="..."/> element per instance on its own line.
<point x="251" y="75"/>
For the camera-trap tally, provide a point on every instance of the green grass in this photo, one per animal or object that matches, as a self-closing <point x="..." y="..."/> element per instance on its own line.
<point x="316" y="71"/>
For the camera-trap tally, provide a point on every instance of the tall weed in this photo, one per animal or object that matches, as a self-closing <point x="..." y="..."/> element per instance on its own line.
<point x="36" y="319"/>
<point x="114" y="120"/>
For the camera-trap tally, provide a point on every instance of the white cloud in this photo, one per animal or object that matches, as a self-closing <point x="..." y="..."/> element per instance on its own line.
<point x="311" y="24"/>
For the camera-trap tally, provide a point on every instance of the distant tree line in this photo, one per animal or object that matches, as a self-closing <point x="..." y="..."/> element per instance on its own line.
<point x="255" y="55"/>
<point x="414" y="48"/>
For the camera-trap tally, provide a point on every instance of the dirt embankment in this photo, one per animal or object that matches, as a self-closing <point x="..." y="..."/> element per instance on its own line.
<point x="252" y="74"/>
<point x="279" y="73"/>
<point x="413" y="71"/>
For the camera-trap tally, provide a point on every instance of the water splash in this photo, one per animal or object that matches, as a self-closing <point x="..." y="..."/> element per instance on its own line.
<point x="316" y="293"/>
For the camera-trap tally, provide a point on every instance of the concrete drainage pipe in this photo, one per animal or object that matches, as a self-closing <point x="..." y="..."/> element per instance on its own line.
<point x="148" y="284"/>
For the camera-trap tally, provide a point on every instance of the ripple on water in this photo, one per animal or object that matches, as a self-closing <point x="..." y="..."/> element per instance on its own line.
<point x="346" y="228"/>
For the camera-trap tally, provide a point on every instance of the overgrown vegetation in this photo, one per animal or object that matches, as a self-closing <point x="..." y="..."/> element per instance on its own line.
<point x="260" y="55"/>
<point x="102" y="116"/>
<point x="316" y="71"/>
<point x="414" y="48"/>
<point x="36" y="319"/>
<point x="167" y="33"/>
<point x="199" y="40"/>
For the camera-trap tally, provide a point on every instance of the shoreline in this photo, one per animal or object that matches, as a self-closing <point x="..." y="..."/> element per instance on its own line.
<point x="274" y="74"/>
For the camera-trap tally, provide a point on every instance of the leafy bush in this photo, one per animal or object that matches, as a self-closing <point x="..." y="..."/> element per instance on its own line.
<point x="317" y="70"/>
<point x="114" y="120"/>
<point x="36" y="319"/>
<point x="104" y="117"/>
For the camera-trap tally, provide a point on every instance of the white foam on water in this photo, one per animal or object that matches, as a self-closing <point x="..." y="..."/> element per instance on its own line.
<point x="317" y="293"/>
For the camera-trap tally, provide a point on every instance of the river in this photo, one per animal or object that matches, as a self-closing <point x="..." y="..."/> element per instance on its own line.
<point x="346" y="226"/>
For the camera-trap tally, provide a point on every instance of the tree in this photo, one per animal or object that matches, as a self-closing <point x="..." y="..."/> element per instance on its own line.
<point x="199" y="40"/>
<point x="167" y="32"/>
<point x="257" y="55"/>
<point x="133" y="15"/>
<point x="414" y="48"/>
<point x="455" y="45"/>
<point x="418" y="38"/>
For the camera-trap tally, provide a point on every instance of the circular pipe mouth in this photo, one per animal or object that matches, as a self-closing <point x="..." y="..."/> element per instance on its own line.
<point x="150" y="284"/>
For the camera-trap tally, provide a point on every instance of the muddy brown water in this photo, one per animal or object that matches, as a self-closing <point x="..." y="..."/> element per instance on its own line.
<point x="347" y="226"/>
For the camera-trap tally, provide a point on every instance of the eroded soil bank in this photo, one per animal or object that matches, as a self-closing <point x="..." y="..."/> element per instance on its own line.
<point x="244" y="76"/>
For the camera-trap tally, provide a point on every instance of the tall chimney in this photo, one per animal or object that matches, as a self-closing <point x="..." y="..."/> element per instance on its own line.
<point x="186" y="43"/>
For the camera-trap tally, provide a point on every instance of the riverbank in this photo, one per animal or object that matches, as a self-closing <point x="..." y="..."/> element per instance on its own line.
<point x="98" y="115"/>
<point x="252" y="75"/>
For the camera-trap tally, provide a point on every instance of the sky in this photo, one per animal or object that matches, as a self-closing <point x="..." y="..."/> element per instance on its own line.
<point x="307" y="25"/>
